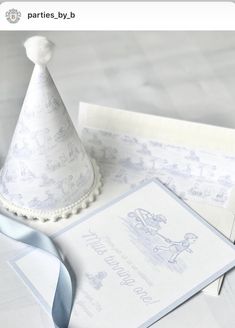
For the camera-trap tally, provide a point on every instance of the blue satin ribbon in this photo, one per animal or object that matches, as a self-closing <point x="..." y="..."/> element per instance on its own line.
<point x="63" y="298"/>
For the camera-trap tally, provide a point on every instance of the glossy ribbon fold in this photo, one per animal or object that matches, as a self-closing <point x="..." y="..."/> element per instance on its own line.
<point x="63" y="298"/>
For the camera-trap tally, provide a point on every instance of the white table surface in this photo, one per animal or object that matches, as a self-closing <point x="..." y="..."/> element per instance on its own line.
<point x="176" y="74"/>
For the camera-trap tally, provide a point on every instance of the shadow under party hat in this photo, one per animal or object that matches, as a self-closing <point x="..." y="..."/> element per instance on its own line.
<point x="47" y="173"/>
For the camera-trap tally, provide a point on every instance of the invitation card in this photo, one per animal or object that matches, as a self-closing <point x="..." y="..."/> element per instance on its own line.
<point x="131" y="147"/>
<point x="136" y="259"/>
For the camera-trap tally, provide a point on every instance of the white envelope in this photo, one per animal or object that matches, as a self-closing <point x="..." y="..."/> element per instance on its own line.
<point x="177" y="132"/>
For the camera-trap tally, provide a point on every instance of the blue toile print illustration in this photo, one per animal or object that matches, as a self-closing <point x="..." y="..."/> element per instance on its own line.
<point x="146" y="231"/>
<point x="96" y="280"/>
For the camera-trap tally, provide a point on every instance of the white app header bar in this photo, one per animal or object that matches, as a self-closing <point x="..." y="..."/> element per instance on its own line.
<point x="110" y="16"/>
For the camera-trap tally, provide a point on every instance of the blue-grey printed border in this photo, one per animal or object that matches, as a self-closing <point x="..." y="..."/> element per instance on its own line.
<point x="169" y="308"/>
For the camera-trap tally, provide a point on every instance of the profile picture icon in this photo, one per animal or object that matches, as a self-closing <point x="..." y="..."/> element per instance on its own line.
<point x="13" y="16"/>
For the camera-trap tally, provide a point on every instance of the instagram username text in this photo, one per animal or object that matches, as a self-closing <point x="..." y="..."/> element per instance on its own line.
<point x="57" y="15"/>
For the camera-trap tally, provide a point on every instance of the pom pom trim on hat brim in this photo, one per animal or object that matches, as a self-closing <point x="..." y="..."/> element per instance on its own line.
<point x="61" y="213"/>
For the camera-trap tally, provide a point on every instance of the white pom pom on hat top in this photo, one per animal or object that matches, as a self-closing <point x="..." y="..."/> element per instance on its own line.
<point x="39" y="49"/>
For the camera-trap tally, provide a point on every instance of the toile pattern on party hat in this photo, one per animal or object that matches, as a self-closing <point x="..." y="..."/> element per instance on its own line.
<point x="47" y="174"/>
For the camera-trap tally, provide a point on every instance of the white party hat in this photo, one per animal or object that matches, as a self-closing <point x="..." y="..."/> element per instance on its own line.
<point x="47" y="173"/>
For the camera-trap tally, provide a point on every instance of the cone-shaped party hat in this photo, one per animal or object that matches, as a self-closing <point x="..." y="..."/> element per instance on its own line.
<point x="47" y="173"/>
